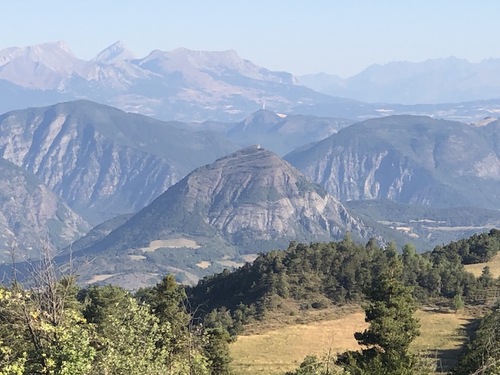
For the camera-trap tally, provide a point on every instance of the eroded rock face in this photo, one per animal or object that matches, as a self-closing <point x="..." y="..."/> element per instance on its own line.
<point x="255" y="190"/>
<point x="250" y="195"/>
<point x="32" y="217"/>
<point x="103" y="161"/>
<point x="409" y="159"/>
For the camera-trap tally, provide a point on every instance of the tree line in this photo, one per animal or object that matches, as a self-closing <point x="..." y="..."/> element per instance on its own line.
<point x="343" y="272"/>
<point x="55" y="327"/>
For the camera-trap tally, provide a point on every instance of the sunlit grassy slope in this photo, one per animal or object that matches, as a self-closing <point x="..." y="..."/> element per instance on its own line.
<point x="280" y="349"/>
<point x="494" y="265"/>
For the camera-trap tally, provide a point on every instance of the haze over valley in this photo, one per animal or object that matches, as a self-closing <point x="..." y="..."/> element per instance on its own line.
<point x="102" y="162"/>
<point x="231" y="184"/>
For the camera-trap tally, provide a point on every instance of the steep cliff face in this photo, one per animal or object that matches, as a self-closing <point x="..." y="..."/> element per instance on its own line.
<point x="408" y="159"/>
<point x="103" y="161"/>
<point x="255" y="193"/>
<point x="32" y="217"/>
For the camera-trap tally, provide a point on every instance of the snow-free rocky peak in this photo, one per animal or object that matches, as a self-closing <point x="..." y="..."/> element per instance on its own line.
<point x="250" y="196"/>
<point x="115" y="53"/>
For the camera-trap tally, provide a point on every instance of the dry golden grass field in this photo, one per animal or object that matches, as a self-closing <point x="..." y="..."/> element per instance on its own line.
<point x="477" y="269"/>
<point x="279" y="349"/>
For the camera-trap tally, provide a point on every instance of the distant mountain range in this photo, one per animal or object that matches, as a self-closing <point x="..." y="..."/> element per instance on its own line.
<point x="198" y="86"/>
<point x="435" y="81"/>
<point x="180" y="84"/>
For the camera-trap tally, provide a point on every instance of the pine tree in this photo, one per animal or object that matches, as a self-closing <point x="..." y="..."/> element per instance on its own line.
<point x="482" y="354"/>
<point x="392" y="328"/>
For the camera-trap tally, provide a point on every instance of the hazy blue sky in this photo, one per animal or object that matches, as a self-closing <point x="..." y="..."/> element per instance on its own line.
<point x="337" y="37"/>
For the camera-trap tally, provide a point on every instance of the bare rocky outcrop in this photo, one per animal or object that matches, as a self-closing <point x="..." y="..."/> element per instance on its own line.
<point x="32" y="217"/>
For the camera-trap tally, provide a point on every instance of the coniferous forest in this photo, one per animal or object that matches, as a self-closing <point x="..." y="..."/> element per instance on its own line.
<point x="53" y="326"/>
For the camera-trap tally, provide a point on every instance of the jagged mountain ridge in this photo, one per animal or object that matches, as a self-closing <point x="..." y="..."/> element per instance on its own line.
<point x="216" y="85"/>
<point x="32" y="217"/>
<point x="101" y="160"/>
<point x="180" y="84"/>
<point x="409" y="159"/>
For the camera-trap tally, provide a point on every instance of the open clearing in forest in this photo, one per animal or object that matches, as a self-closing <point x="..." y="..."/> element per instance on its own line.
<point x="477" y="269"/>
<point x="281" y="349"/>
<point x="204" y="264"/>
<point x="442" y="335"/>
<point x="101" y="277"/>
<point x="171" y="243"/>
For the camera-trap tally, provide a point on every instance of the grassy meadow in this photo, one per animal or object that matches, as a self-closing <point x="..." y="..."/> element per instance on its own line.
<point x="477" y="269"/>
<point x="282" y="348"/>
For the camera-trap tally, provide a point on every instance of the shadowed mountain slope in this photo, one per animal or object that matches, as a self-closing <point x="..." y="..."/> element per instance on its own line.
<point x="101" y="160"/>
<point x="409" y="159"/>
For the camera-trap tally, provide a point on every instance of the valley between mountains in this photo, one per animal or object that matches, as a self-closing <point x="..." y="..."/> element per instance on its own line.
<point x="194" y="198"/>
<point x="165" y="214"/>
<point x="170" y="163"/>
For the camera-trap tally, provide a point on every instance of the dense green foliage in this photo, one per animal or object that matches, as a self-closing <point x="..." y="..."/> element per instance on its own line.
<point x="317" y="273"/>
<point x="58" y="329"/>
<point x="391" y="331"/>
<point x="483" y="352"/>
<point x="476" y="249"/>
<point x="55" y="327"/>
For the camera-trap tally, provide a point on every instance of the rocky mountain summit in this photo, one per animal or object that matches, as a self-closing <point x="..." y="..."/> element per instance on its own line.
<point x="251" y="191"/>
<point x="251" y="201"/>
<point x="114" y="54"/>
